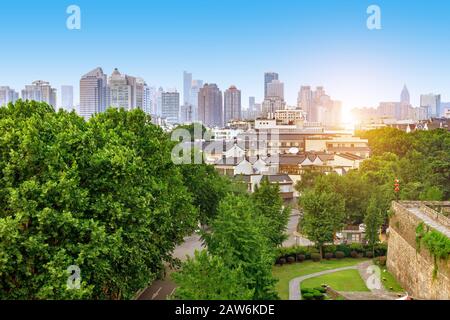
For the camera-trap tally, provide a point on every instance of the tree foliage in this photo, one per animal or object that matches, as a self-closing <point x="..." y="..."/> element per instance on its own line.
<point x="102" y="195"/>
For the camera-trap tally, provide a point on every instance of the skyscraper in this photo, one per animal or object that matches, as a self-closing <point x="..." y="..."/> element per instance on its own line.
<point x="210" y="111"/>
<point x="93" y="93"/>
<point x="232" y="104"/>
<point x="67" y="98"/>
<point x="304" y="101"/>
<point x="187" y="85"/>
<point x="251" y="104"/>
<point x="195" y="89"/>
<point x="275" y="89"/>
<point x="268" y="78"/>
<point x="122" y="91"/>
<point x="405" y="97"/>
<point x="433" y="104"/>
<point x="170" y="105"/>
<point x="7" y="95"/>
<point x="40" y="91"/>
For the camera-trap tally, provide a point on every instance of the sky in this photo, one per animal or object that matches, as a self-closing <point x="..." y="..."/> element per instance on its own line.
<point x="233" y="42"/>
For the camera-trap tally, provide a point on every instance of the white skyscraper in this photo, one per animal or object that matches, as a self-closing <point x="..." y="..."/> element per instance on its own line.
<point x="93" y="88"/>
<point x="7" y="95"/>
<point x="67" y="98"/>
<point x="433" y="103"/>
<point x="170" y="106"/>
<point x="40" y="91"/>
<point x="187" y="85"/>
<point x="195" y="89"/>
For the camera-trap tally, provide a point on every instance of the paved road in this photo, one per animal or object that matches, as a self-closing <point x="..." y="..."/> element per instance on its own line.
<point x="159" y="290"/>
<point x="292" y="227"/>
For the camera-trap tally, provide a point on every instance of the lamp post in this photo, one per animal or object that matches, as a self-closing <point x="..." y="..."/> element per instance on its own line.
<point x="397" y="188"/>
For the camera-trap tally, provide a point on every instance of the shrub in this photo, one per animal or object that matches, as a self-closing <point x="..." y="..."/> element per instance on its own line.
<point x="380" y="250"/>
<point x="340" y="255"/>
<point x="329" y="249"/>
<point x="301" y="257"/>
<point x="318" y="295"/>
<point x="308" y="296"/>
<point x="316" y="257"/>
<point x="321" y="289"/>
<point x="290" y="259"/>
<point x="357" y="247"/>
<point x="382" y="261"/>
<point x="369" y="254"/>
<point x="328" y="255"/>
<point x="354" y="254"/>
<point x="344" y="248"/>
<point x="281" y="261"/>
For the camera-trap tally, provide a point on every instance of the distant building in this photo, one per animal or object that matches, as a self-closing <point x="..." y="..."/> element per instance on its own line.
<point x="187" y="86"/>
<point x="433" y="104"/>
<point x="195" y="89"/>
<point x="405" y="97"/>
<point x="170" y="106"/>
<point x="268" y="78"/>
<point x="40" y="91"/>
<point x="275" y="89"/>
<point x="67" y="98"/>
<point x="272" y="104"/>
<point x="210" y="106"/>
<point x="7" y="95"/>
<point x="232" y="104"/>
<point x="122" y="91"/>
<point x="93" y="93"/>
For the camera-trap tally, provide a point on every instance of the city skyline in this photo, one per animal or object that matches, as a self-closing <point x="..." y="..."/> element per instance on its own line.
<point x="360" y="67"/>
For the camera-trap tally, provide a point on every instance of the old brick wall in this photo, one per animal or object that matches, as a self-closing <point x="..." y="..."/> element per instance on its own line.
<point x="414" y="270"/>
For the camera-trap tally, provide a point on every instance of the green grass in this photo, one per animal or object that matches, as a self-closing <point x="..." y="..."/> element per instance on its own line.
<point x="286" y="273"/>
<point x="348" y="280"/>
<point x="390" y="282"/>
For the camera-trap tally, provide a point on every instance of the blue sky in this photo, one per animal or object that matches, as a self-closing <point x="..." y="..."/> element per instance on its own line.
<point x="321" y="42"/>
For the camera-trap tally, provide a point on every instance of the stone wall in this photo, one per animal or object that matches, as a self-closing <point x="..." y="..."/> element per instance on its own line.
<point x="413" y="269"/>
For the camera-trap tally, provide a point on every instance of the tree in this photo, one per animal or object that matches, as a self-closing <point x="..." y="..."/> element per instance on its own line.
<point x="237" y="235"/>
<point x="373" y="222"/>
<point x="323" y="216"/>
<point x="103" y="195"/>
<point x="207" y="277"/>
<point x="269" y="204"/>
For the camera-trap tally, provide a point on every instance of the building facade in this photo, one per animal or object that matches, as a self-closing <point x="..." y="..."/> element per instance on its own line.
<point x="210" y="106"/>
<point x="93" y="93"/>
<point x="232" y="104"/>
<point x="170" y="106"/>
<point x="7" y="95"/>
<point x="40" y="91"/>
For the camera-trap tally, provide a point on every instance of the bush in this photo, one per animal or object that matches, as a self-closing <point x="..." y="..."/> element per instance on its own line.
<point x="340" y="255"/>
<point x="380" y="250"/>
<point x="382" y="261"/>
<point x="281" y="261"/>
<point x="318" y="295"/>
<point x="345" y="249"/>
<point x="321" y="289"/>
<point x="329" y="249"/>
<point x="328" y="255"/>
<point x="357" y="247"/>
<point x="290" y="259"/>
<point x="301" y="257"/>
<point x="308" y="296"/>
<point x="316" y="257"/>
<point x="369" y="254"/>
<point x="354" y="254"/>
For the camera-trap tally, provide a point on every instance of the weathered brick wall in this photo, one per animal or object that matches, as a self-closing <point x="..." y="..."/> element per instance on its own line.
<point x="414" y="270"/>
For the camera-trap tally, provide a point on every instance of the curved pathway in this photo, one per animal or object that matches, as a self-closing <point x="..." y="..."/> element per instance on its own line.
<point x="294" y="284"/>
<point x="378" y="294"/>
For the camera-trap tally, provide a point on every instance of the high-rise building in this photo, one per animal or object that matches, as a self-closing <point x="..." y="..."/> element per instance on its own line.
<point x="251" y="104"/>
<point x="210" y="104"/>
<point x="275" y="89"/>
<point x="170" y="106"/>
<point x="93" y="93"/>
<point x="40" y="91"/>
<point x="67" y="98"/>
<point x="433" y="103"/>
<point x="232" y="104"/>
<point x="272" y="104"/>
<point x="7" y="95"/>
<point x="405" y="97"/>
<point x="122" y="91"/>
<point x="195" y="89"/>
<point x="268" y="78"/>
<point x="187" y="85"/>
<point x="305" y="101"/>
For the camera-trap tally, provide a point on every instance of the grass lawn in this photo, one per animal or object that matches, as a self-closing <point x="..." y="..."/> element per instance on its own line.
<point x="390" y="282"/>
<point x="286" y="273"/>
<point x="348" y="280"/>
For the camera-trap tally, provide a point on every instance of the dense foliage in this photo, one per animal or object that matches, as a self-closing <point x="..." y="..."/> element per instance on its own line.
<point x="103" y="195"/>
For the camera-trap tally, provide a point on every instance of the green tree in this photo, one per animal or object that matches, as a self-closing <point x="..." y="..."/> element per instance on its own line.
<point x="373" y="222"/>
<point x="323" y="216"/>
<point x="269" y="204"/>
<point x="237" y="235"/>
<point x="207" y="277"/>
<point x="103" y="195"/>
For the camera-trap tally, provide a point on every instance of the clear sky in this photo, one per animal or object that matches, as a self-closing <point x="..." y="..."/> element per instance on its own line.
<point x="320" y="42"/>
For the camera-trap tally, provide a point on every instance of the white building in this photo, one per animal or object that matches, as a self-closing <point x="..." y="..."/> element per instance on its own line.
<point x="93" y="93"/>
<point x="7" y="95"/>
<point x="433" y="104"/>
<point x="170" y="106"/>
<point x="67" y="98"/>
<point x="40" y="91"/>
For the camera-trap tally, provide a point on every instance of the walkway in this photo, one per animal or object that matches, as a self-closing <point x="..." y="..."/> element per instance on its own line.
<point x="375" y="294"/>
